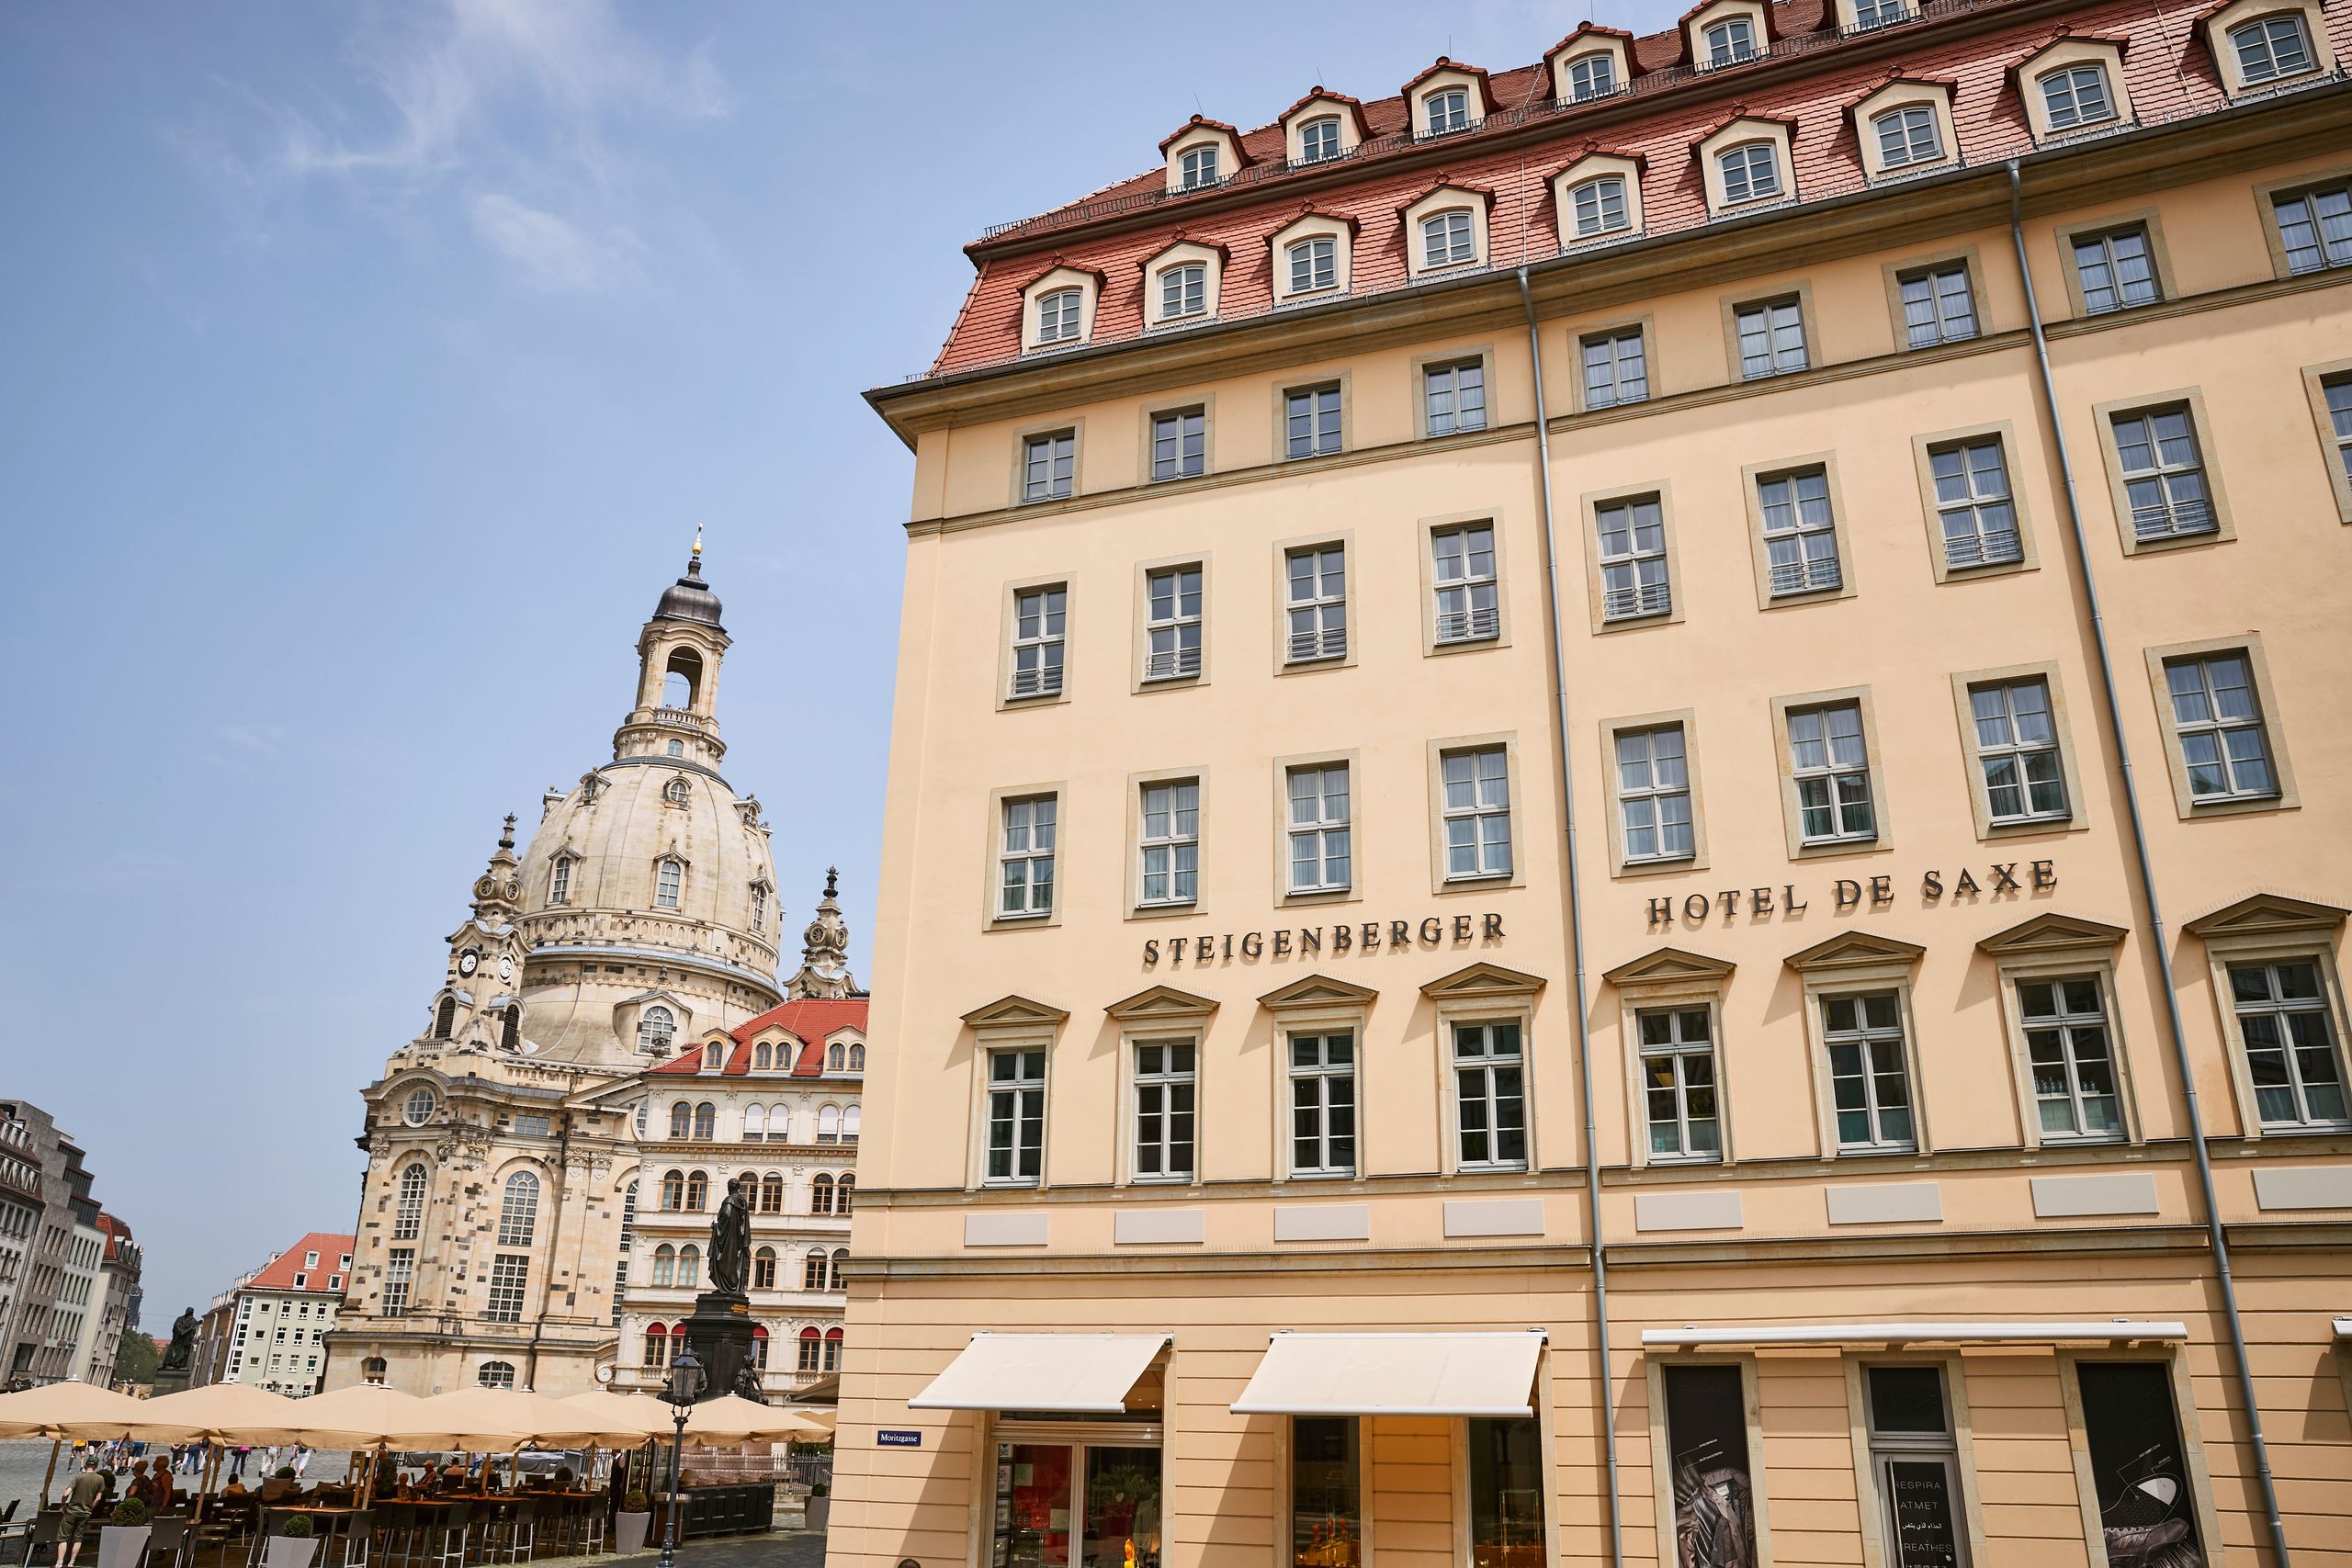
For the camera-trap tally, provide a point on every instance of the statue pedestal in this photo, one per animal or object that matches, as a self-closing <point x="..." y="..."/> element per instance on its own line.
<point x="172" y="1380"/>
<point x="721" y="1332"/>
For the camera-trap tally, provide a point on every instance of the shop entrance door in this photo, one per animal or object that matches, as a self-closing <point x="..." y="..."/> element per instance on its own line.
<point x="1086" y="1499"/>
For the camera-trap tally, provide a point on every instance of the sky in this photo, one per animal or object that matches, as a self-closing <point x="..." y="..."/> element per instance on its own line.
<point x="368" y="367"/>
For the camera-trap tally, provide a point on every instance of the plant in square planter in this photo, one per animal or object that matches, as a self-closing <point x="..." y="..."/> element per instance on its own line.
<point x="122" y="1535"/>
<point x="294" y="1545"/>
<point x="630" y="1524"/>
<point x="819" y="1515"/>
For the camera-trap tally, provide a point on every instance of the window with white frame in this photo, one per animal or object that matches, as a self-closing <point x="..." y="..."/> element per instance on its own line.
<point x="1678" y="1056"/>
<point x="2164" y="474"/>
<point x="2115" y="270"/>
<point x="2315" y="227"/>
<point x="1180" y="444"/>
<point x="2077" y="96"/>
<point x="1830" y="768"/>
<point x="1165" y="1087"/>
<point x="2338" y="390"/>
<point x="1016" y="1118"/>
<point x="1879" y="13"/>
<point x="1869" y="1072"/>
<point x="1318" y="138"/>
<point x="759" y="908"/>
<point x="408" y="1214"/>
<point x="1323" y="1103"/>
<point x="1196" y="167"/>
<point x="1591" y="76"/>
<point x="1475" y="811"/>
<point x="509" y="1271"/>
<point x="1938" y="304"/>
<point x="1489" y="1097"/>
<point x="669" y="877"/>
<point x="1184" y="291"/>
<point x="518" y="1211"/>
<point x="1311" y="421"/>
<point x="1631" y="535"/>
<point x="1654" y="794"/>
<point x="1048" y="465"/>
<point x="1315" y="264"/>
<point x="1730" y="41"/>
<point x="2269" y="48"/>
<point x="1750" y="172"/>
<point x="1025" y="858"/>
<point x="1974" y="510"/>
<point x="1597" y="205"/>
<point x="1616" y="368"/>
<point x="1772" y="337"/>
<point x="2072" y="1061"/>
<point x="1800" y="532"/>
<point x="1317" y="604"/>
<point x="1445" y="109"/>
<point x="656" y="1026"/>
<point x="1916" y="1463"/>
<point x="1319" y="836"/>
<point x="1039" y="616"/>
<point x="400" y="1272"/>
<point x="1908" y="135"/>
<point x="2290" y="1048"/>
<point x="2217" y="721"/>
<point x="2016" y="752"/>
<point x="1058" y="314"/>
<point x="559" y="881"/>
<point x="1463" y="576"/>
<point x="1171" y="845"/>
<point x="1448" y="238"/>
<point x="1455" y="396"/>
<point x="1171" y="624"/>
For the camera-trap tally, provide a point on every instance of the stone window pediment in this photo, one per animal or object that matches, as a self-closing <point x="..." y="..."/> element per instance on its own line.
<point x="1017" y="1019"/>
<point x="1484" y="982"/>
<point x="1670" y="966"/>
<point x="1854" y="950"/>
<point x="1316" y="992"/>
<point x="2266" y="913"/>
<point x="1162" y="1004"/>
<point x="2052" y="933"/>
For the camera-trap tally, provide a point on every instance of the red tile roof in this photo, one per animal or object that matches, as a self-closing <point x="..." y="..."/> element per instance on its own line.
<point x="279" y="1274"/>
<point x="1804" y="84"/>
<point x="808" y="1020"/>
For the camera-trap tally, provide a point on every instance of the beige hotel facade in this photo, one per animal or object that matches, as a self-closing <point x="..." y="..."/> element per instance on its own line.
<point x="1605" y="849"/>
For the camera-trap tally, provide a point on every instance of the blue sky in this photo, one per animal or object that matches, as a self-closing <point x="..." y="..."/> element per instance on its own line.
<point x="369" y="368"/>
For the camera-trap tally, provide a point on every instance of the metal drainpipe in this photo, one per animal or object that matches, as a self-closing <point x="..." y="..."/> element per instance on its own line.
<point x="1576" y="929"/>
<point x="2179" y="1033"/>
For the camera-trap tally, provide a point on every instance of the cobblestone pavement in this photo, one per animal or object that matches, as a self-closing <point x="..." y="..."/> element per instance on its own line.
<point x="796" y="1549"/>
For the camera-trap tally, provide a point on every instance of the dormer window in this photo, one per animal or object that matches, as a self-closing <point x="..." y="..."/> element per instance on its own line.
<point x="1445" y="110"/>
<point x="655" y="1027"/>
<point x="1599" y="205"/>
<point x="2077" y="96"/>
<point x="1184" y="291"/>
<point x="1591" y="76"/>
<point x="1750" y="172"/>
<point x="1869" y="14"/>
<point x="1907" y="135"/>
<point x="559" y="881"/>
<point x="676" y="792"/>
<point x="669" y="877"/>
<point x="1057" y="316"/>
<point x="1447" y="239"/>
<point x="2271" y="47"/>
<point x="1196" y="167"/>
<point x="1314" y="263"/>
<point x="1319" y="140"/>
<point x="1730" y="41"/>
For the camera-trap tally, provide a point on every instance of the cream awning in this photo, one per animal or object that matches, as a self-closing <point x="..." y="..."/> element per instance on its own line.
<point x="2096" y="1331"/>
<point x="1078" y="1373"/>
<point x="1395" y="1374"/>
<point x="2344" y="1328"/>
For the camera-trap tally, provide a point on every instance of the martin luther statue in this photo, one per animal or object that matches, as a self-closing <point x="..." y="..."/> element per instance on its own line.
<point x="183" y="1345"/>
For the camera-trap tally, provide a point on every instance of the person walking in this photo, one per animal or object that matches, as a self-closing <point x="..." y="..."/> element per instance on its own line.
<point x="302" y="1460"/>
<point x="80" y="1498"/>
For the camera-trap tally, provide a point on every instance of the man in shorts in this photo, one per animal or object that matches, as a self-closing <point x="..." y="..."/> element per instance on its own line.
<point x="80" y="1498"/>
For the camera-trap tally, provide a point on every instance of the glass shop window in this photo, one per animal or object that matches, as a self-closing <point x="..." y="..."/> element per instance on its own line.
<point x="1077" y="1505"/>
<point x="1714" y="1496"/>
<point x="1506" y="1494"/>
<point x="1325" y="1493"/>
<point x="1916" y="1465"/>
<point x="2146" y="1510"/>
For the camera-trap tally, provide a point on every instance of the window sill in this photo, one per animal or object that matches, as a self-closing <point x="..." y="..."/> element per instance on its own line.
<point x="1164" y="909"/>
<point x="2135" y="546"/>
<point x="1479" y="879"/>
<point x="1461" y="644"/>
<point x="2305" y="1129"/>
<point x="1878" y="1151"/>
<point x="1683" y="1162"/>
<point x="2236" y="805"/>
<point x="1320" y="661"/>
<point x="2028" y="826"/>
<point x="1031" y="917"/>
<point x="1457" y="430"/>
<point x="1815" y="847"/>
<point x="1650" y="865"/>
<point x="1493" y="1167"/>
<point x="1312" y="896"/>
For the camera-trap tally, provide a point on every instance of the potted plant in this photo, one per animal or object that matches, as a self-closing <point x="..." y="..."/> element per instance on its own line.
<point x="819" y="1512"/>
<point x="294" y="1545"/>
<point x="122" y="1535"/>
<point x="630" y="1524"/>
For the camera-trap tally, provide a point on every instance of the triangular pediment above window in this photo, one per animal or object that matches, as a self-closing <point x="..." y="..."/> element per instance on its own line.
<point x="1161" y="1002"/>
<point x="1482" y="980"/>
<point x="2266" y="913"/>
<point x="1668" y="965"/>
<point x="1853" y="950"/>
<point x="2052" y="933"/>
<point x="1317" y="991"/>
<point x="1015" y="1012"/>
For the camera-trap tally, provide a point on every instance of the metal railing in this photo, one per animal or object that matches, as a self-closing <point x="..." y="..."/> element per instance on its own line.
<point x="1996" y="549"/>
<point x="1803" y="577"/>
<point x="1468" y="626"/>
<point x="1174" y="665"/>
<point x="1042" y="683"/>
<point x="1330" y="643"/>
<point x="1632" y="603"/>
<point x="2173" y="520"/>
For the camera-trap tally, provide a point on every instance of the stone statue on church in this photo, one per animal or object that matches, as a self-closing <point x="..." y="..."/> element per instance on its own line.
<point x="731" y="1241"/>
<point x="183" y="1346"/>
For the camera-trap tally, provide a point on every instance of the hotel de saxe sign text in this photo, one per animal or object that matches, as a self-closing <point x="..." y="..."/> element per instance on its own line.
<point x="1847" y="895"/>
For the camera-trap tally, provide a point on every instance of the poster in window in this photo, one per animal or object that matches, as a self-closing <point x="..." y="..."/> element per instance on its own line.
<point x="2138" y="1468"/>
<point x="1920" y="1494"/>
<point x="1706" y="1424"/>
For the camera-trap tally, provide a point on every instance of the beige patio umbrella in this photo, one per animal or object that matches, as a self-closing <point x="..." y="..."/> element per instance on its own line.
<point x="61" y="1410"/>
<point x="367" y="1411"/>
<point x="234" y="1413"/>
<point x="636" y="1415"/>
<point x="825" y="1420"/>
<point x="732" y="1419"/>
<point x="489" y="1419"/>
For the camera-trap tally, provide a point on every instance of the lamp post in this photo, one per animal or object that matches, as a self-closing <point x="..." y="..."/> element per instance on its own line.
<point x="684" y="1388"/>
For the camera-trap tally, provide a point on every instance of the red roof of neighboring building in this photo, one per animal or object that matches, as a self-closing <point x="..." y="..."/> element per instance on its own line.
<point x="1811" y="89"/>
<point x="116" y="1233"/>
<point x="807" y="1018"/>
<point x="279" y="1273"/>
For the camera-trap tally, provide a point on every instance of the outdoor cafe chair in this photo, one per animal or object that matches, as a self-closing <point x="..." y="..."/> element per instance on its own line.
<point x="591" y="1524"/>
<point x="445" y="1535"/>
<point x="44" y="1533"/>
<point x="167" y="1541"/>
<point x="396" y="1528"/>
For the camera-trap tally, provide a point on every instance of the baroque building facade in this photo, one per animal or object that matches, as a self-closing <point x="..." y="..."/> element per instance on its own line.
<point x="1621" y="822"/>
<point x="636" y="925"/>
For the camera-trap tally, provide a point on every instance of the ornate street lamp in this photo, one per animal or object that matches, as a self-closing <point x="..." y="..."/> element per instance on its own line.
<point x="685" y="1387"/>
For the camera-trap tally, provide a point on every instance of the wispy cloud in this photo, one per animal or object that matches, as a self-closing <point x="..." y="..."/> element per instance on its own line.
<point x="554" y="254"/>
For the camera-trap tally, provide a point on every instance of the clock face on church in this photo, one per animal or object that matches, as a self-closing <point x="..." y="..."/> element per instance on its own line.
<point x="506" y="968"/>
<point x="468" y="961"/>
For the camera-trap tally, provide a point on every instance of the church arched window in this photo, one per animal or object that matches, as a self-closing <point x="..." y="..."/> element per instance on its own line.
<point x="828" y="1124"/>
<point x="496" y="1374"/>
<point x="832" y="1350"/>
<point x="518" y="1212"/>
<point x="677" y="791"/>
<point x="372" y="1371"/>
<point x="841" y="1260"/>
<point x="755" y="1123"/>
<point x="849" y="1126"/>
<point x="655" y="1026"/>
<point x="759" y="908"/>
<point x="835" y="1058"/>
<point x="559" y="880"/>
<point x="409" y="1216"/>
<point x="444" y="1017"/>
<point x="857" y="1058"/>
<point x="669" y="876"/>
<point x="629" y="1215"/>
<point x="690" y="1265"/>
<point x="763" y="1269"/>
<point x="844" y="1191"/>
<point x="681" y="1119"/>
<point x="813" y="1270"/>
<point x="640" y="1117"/>
<point x="677" y="748"/>
<point x="820" y="1195"/>
<point x="510" y="1032"/>
<point x="771" y="1193"/>
<point x="665" y="1264"/>
<point x="813" y="1346"/>
<point x="673" y="1189"/>
<point x="697" y="1192"/>
<point x="706" y="1121"/>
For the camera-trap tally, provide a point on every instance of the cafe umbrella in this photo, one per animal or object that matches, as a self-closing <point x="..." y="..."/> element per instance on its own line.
<point x="368" y="1410"/>
<point x="62" y="1410"/>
